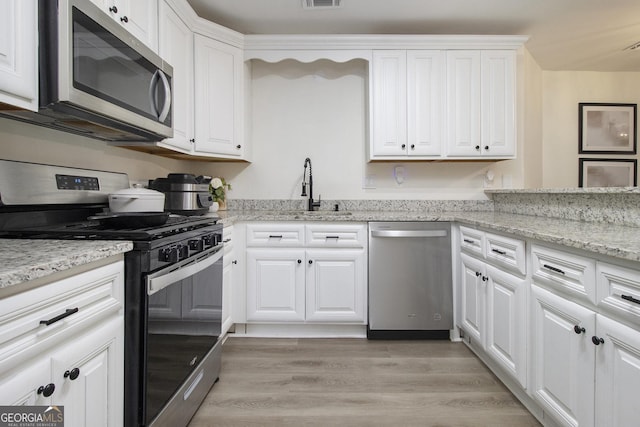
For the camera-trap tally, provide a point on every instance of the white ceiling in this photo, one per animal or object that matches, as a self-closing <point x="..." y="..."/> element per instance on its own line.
<point x="586" y="35"/>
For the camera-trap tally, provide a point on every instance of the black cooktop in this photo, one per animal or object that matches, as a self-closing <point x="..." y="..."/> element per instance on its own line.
<point x="72" y="224"/>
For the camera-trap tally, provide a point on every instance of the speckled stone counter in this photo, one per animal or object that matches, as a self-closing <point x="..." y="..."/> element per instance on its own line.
<point x="602" y="238"/>
<point x="25" y="260"/>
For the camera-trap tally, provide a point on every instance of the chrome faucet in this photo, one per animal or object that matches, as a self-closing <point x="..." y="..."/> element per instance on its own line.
<point x="312" y="204"/>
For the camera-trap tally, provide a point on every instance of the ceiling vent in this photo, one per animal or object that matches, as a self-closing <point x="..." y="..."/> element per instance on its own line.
<point x="321" y="4"/>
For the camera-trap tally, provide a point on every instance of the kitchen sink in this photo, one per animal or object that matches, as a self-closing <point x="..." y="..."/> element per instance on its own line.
<point x="320" y="213"/>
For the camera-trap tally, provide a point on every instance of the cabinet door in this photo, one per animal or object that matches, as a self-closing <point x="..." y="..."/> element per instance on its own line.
<point x="94" y="396"/>
<point x="472" y="288"/>
<point x="506" y="331"/>
<point x="389" y="103"/>
<point x="218" y="90"/>
<point x="463" y="97"/>
<point x="275" y="285"/>
<point x="19" y="54"/>
<point x="425" y="86"/>
<point x="176" y="47"/>
<point x="336" y="286"/>
<point x="563" y="360"/>
<point x="139" y="17"/>
<point x="498" y="103"/>
<point x="20" y="386"/>
<point x="617" y="374"/>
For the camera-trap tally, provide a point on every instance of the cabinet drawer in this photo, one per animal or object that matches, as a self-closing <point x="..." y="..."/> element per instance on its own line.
<point x="472" y="241"/>
<point x="275" y="235"/>
<point x="336" y="235"/>
<point x="565" y="271"/>
<point x="618" y="291"/>
<point x="70" y="305"/>
<point x="507" y="252"/>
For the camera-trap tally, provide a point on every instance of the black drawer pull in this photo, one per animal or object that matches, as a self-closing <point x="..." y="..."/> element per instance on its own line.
<point x="630" y="298"/>
<point x="552" y="268"/>
<point x="332" y="237"/>
<point x="498" y="251"/>
<point x="468" y="241"/>
<point x="68" y="312"/>
<point x="275" y="236"/>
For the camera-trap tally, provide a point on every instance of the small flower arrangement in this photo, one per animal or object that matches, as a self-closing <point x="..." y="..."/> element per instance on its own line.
<point x="218" y="188"/>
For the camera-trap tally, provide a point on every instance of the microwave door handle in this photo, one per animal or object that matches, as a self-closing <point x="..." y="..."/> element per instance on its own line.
<point x="167" y="97"/>
<point x="153" y="87"/>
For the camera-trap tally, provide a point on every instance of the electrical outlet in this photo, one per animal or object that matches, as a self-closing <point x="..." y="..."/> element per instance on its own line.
<point x="369" y="182"/>
<point x="399" y="174"/>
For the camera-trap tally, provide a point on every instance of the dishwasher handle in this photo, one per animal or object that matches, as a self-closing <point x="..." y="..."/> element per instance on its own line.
<point x="409" y="233"/>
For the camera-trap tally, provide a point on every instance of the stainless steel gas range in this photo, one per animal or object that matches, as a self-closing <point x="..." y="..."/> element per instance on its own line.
<point x="173" y="283"/>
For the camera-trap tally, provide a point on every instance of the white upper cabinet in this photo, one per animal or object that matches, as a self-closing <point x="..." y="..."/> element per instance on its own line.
<point x="19" y="54"/>
<point x="219" y="126"/>
<point x="176" y="47"/>
<point x="139" y="17"/>
<point x="481" y="103"/>
<point x="406" y="103"/>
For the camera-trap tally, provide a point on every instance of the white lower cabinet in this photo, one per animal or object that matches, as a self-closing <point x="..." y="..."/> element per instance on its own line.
<point x="563" y="359"/>
<point x="275" y="285"/>
<point x="586" y="366"/>
<point x="335" y="285"/>
<point x="75" y="361"/>
<point x="617" y="374"/>
<point x="493" y="313"/>
<point x="229" y="264"/>
<point x="314" y="273"/>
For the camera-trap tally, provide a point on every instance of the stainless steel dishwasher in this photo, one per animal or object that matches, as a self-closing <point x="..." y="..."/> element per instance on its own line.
<point x="410" y="285"/>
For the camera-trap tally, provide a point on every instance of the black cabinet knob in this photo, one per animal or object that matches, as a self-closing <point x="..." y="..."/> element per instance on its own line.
<point x="113" y="9"/>
<point x="299" y="261"/>
<point x="486" y="147"/>
<point x="485" y="278"/>
<point x="413" y="146"/>
<point x="403" y="146"/>
<point x="238" y="146"/>
<point x="192" y="140"/>
<point x="72" y="374"/>
<point x="578" y="330"/>
<point x="477" y="147"/>
<point x="47" y="390"/>
<point x="310" y="262"/>
<point x="124" y="19"/>
<point x="597" y="340"/>
<point x="235" y="261"/>
<point x="478" y="274"/>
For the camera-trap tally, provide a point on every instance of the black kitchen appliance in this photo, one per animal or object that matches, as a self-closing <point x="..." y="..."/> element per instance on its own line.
<point x="173" y="283"/>
<point x="184" y="193"/>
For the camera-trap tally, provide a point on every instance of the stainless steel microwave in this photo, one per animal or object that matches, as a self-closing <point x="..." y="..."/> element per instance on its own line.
<point x="96" y="79"/>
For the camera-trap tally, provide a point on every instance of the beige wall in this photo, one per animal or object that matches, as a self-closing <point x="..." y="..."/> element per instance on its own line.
<point x="562" y="91"/>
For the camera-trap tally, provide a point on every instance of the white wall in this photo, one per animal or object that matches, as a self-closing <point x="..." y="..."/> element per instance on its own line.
<point x="319" y="110"/>
<point x="562" y="92"/>
<point x="30" y="143"/>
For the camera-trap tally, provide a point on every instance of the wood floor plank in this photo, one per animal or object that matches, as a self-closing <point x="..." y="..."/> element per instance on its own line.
<point x="356" y="382"/>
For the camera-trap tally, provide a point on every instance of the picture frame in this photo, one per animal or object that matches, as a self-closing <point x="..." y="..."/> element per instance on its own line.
<point x="595" y="172"/>
<point x="606" y="128"/>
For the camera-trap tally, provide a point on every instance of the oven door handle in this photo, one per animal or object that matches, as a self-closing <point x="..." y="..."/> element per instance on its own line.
<point x="155" y="284"/>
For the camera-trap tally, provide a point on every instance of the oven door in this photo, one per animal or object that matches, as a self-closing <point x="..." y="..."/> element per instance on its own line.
<point x="184" y="314"/>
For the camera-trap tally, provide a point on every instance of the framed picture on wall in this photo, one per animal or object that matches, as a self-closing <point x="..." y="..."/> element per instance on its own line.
<point x="608" y="173"/>
<point x="607" y="128"/>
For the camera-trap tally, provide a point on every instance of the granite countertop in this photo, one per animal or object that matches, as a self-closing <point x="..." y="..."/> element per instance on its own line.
<point x="21" y="260"/>
<point x="601" y="238"/>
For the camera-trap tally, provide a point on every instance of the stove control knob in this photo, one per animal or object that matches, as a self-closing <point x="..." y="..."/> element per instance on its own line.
<point x="169" y="254"/>
<point x="210" y="239"/>
<point x="196" y="245"/>
<point x="183" y="252"/>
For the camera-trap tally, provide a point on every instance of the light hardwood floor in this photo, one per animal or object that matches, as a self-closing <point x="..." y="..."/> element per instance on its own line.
<point x="356" y="382"/>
